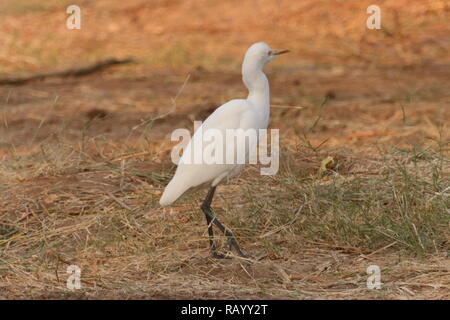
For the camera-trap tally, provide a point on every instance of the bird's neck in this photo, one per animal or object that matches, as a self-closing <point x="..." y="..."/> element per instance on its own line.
<point x="258" y="87"/>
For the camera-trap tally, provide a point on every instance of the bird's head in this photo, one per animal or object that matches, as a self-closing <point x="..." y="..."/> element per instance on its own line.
<point x="260" y="54"/>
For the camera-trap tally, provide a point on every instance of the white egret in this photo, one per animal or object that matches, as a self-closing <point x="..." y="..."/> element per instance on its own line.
<point x="250" y="113"/>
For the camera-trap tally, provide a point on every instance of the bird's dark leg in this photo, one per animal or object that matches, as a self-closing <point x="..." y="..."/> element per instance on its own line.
<point x="210" y="218"/>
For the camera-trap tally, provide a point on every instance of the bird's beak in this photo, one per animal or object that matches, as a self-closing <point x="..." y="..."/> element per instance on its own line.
<point x="277" y="52"/>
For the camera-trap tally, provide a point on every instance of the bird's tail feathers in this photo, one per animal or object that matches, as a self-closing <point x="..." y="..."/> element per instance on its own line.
<point x="173" y="191"/>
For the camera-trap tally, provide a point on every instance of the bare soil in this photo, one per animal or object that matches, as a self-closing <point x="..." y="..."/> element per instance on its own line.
<point x="83" y="161"/>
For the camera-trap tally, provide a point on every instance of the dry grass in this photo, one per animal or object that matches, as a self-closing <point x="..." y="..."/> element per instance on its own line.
<point x="377" y="103"/>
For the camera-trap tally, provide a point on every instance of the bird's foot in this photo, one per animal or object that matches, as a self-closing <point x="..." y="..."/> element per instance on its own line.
<point x="240" y="255"/>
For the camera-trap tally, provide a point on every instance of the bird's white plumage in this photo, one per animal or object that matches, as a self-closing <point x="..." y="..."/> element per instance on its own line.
<point x="250" y="113"/>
